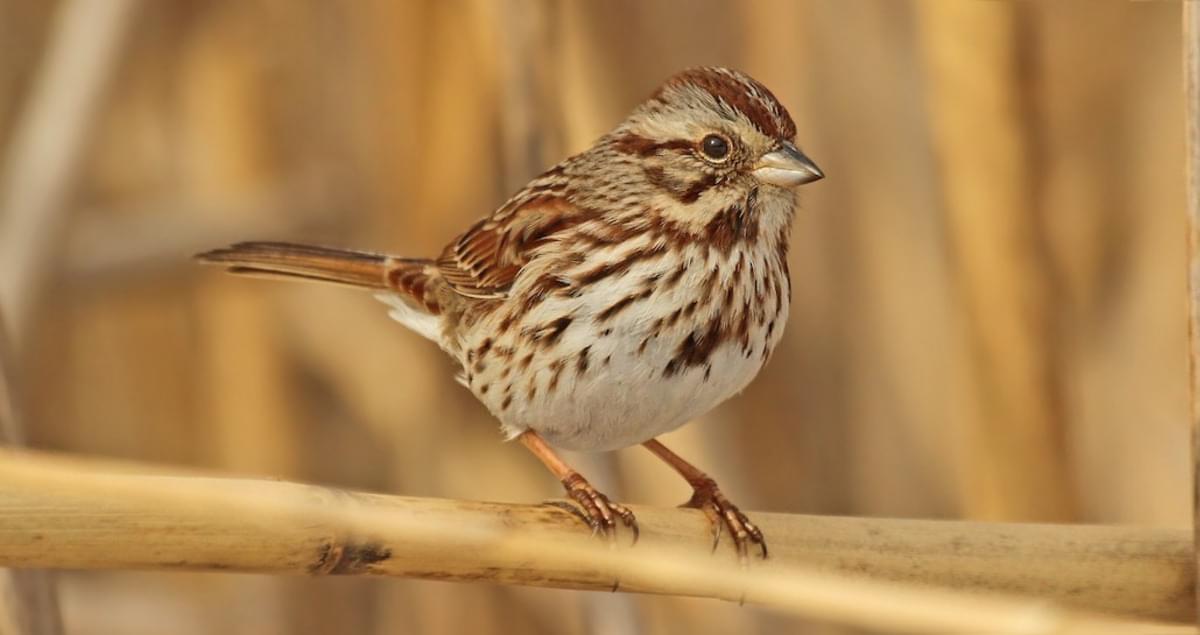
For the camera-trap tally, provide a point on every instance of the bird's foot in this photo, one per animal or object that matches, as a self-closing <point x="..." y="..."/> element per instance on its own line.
<point x="597" y="510"/>
<point x="723" y="514"/>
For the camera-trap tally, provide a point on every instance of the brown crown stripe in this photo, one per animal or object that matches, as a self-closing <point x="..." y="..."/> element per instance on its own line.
<point x="744" y="95"/>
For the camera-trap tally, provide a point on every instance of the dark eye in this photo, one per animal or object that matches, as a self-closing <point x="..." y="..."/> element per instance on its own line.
<point x="715" y="147"/>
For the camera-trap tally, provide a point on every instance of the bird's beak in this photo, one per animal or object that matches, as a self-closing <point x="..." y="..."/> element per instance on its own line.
<point x="787" y="167"/>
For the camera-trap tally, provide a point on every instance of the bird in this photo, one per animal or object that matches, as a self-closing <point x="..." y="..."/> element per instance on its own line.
<point x="620" y="294"/>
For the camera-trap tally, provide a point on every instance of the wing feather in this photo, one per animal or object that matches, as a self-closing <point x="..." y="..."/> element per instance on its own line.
<point x="484" y="261"/>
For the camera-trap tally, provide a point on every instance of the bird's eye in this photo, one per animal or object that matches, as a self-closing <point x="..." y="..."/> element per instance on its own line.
<point x="715" y="147"/>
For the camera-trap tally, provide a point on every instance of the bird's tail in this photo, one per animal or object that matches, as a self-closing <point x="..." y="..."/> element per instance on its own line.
<point x="411" y="278"/>
<point x="410" y="286"/>
<point x="308" y="262"/>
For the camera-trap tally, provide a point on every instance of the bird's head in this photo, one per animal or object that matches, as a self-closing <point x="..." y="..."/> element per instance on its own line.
<point x="708" y="129"/>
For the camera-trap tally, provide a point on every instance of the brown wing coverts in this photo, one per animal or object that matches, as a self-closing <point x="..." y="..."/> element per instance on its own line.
<point x="484" y="261"/>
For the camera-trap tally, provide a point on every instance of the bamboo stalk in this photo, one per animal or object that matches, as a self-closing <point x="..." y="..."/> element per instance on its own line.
<point x="1191" y="83"/>
<point x="69" y="513"/>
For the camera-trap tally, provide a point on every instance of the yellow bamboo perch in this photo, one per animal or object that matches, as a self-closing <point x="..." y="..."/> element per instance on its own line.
<point x="77" y="514"/>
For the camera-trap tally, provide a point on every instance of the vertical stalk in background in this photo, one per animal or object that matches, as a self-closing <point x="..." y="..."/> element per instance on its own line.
<point x="51" y="134"/>
<point x="28" y="598"/>
<point x="530" y="139"/>
<point x="1014" y="465"/>
<point x="223" y="111"/>
<point x="1191" y="85"/>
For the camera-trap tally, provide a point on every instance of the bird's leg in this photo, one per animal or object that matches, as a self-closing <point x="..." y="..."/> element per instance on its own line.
<point x="596" y="510"/>
<point x="708" y="498"/>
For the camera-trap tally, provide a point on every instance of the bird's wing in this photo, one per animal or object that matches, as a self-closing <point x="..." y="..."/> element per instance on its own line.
<point x="485" y="260"/>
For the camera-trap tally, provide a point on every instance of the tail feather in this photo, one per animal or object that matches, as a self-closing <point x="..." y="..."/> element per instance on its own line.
<point x="305" y="262"/>
<point x="405" y="282"/>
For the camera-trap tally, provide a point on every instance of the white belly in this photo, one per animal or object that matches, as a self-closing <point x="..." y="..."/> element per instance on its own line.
<point x="628" y="401"/>
<point x="606" y="384"/>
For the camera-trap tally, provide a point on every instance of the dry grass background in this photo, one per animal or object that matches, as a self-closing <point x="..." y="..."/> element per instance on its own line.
<point x="988" y="313"/>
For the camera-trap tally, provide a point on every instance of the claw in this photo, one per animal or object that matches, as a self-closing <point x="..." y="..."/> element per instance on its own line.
<point x="724" y="514"/>
<point x="595" y="509"/>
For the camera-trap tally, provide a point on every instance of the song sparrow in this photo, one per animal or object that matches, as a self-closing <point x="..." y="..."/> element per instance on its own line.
<point x="623" y="292"/>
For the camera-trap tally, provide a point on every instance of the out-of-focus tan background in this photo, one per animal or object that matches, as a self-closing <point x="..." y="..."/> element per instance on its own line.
<point x="988" y="311"/>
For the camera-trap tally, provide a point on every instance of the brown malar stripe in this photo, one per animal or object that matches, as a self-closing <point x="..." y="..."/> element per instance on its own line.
<point x="680" y="190"/>
<point x="692" y="194"/>
<point x="734" y="224"/>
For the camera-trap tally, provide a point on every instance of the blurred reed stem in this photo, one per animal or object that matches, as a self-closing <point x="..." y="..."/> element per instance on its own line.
<point x="977" y="113"/>
<point x="1191" y="83"/>
<point x="83" y="514"/>
<point x="42" y="163"/>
